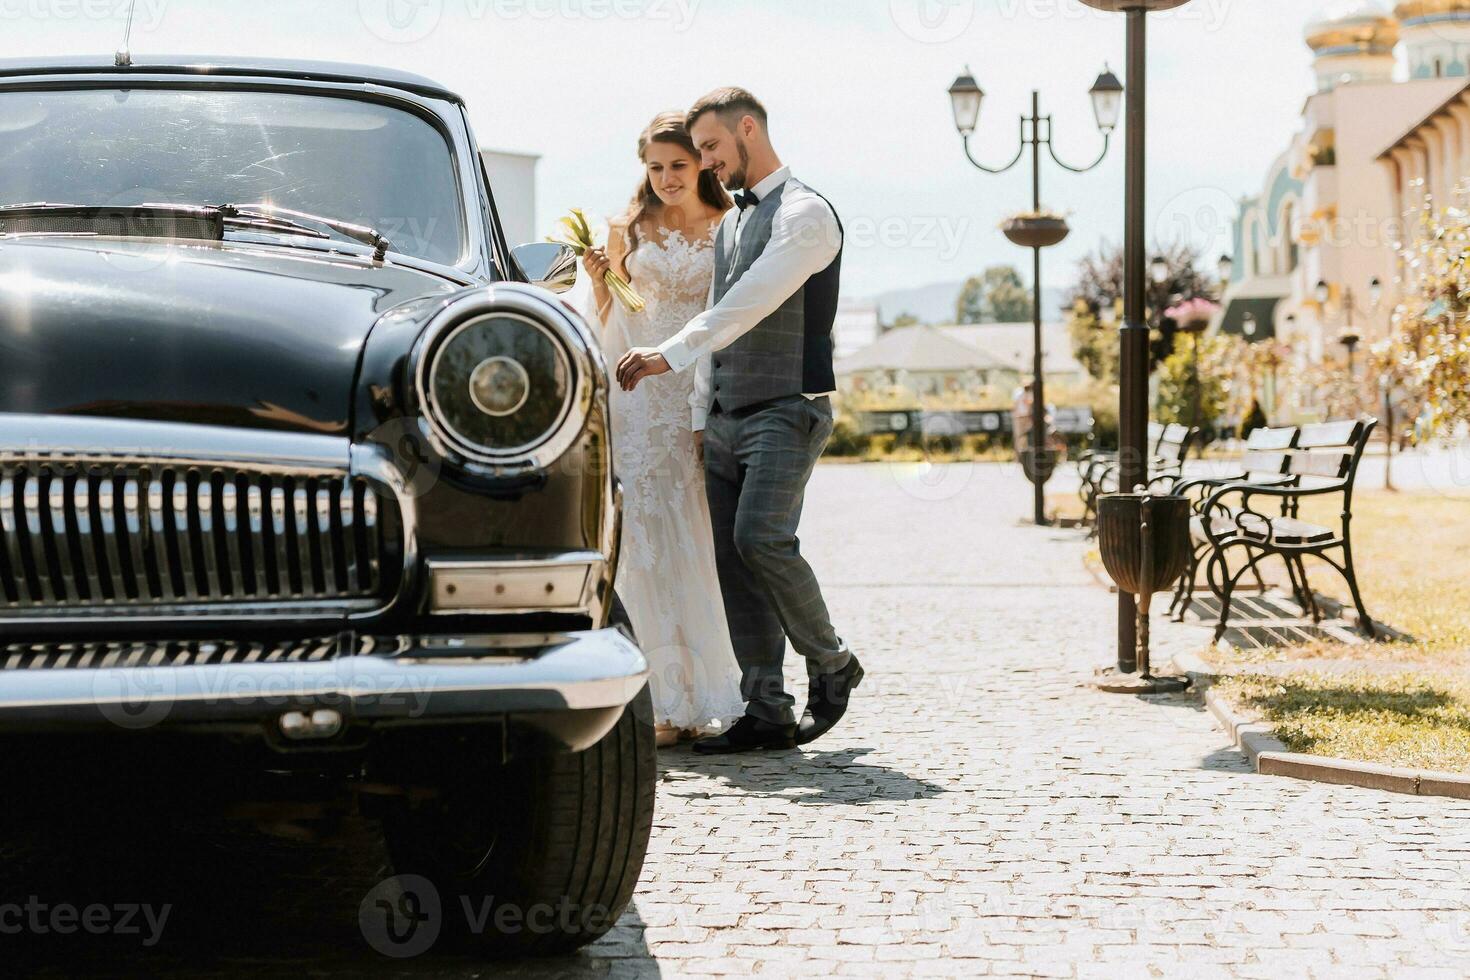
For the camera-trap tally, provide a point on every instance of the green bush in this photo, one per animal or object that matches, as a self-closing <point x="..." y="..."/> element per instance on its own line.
<point x="976" y="446"/>
<point x="941" y="445"/>
<point x="846" y="439"/>
<point x="881" y="446"/>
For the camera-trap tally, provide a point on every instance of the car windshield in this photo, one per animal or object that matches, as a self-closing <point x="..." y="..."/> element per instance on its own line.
<point x="350" y="159"/>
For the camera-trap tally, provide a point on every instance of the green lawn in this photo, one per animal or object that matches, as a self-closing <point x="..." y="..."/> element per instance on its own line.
<point x="1409" y="705"/>
<point x="1413" y="719"/>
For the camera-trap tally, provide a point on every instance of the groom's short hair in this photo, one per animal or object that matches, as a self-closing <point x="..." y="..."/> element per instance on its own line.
<point x="731" y="104"/>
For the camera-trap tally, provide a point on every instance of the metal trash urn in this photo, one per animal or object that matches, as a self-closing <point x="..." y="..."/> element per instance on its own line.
<point x="1145" y="546"/>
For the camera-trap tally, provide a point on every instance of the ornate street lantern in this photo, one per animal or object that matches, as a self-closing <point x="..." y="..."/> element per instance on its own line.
<point x="1107" y="100"/>
<point x="1158" y="270"/>
<point x="966" y="97"/>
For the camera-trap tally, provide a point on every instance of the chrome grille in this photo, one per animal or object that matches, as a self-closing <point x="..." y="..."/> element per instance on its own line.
<point x="189" y="653"/>
<point x="126" y="536"/>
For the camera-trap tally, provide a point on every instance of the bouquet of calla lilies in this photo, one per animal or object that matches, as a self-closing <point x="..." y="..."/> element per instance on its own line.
<point x="578" y="236"/>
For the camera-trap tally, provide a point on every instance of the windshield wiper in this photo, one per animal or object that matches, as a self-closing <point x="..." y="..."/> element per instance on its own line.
<point x="213" y="217"/>
<point x="255" y="213"/>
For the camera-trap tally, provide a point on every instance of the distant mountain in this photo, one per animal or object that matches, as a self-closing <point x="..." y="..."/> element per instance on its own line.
<point x="935" y="302"/>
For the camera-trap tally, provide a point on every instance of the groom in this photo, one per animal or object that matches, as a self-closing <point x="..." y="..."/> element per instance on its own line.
<point x="762" y="357"/>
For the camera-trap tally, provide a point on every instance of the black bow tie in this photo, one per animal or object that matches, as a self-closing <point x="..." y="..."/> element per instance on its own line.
<point x="745" y="199"/>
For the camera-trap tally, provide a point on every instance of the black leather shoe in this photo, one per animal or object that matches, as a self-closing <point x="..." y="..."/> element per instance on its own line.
<point x="827" y="696"/>
<point x="748" y="735"/>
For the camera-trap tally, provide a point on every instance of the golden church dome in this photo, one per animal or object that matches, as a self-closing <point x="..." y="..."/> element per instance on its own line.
<point x="1358" y="27"/>
<point x="1413" y="10"/>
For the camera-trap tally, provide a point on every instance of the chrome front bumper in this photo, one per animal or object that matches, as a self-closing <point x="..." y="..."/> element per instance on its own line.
<point x="429" y="679"/>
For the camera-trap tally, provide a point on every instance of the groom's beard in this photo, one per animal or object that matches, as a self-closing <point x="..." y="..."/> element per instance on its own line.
<point x="736" y="181"/>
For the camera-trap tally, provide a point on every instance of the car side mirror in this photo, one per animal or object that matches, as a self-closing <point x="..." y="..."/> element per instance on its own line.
<point x="549" y="265"/>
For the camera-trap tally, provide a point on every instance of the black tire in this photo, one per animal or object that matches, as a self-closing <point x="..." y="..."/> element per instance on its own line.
<point x="546" y="852"/>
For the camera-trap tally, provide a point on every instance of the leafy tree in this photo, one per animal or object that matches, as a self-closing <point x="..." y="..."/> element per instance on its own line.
<point x="1094" y="346"/>
<point x="1428" y="357"/>
<point x="1006" y="298"/>
<point x="970" y="306"/>
<point x="1100" y="282"/>
<point x="1219" y="362"/>
<point x="998" y="295"/>
<point x="904" y="319"/>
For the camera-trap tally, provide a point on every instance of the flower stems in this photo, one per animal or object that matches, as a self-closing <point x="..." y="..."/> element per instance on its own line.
<point x="577" y="235"/>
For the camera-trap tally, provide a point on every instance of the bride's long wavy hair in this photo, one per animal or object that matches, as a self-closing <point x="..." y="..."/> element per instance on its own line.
<point x="668" y="127"/>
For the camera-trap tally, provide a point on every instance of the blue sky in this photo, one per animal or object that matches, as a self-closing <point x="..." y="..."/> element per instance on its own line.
<point x="856" y="89"/>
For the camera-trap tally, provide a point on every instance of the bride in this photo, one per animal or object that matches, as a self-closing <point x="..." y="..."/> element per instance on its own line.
<point x="664" y="245"/>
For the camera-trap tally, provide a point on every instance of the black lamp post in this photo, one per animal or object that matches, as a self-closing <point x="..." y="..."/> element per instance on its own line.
<point x="1133" y="335"/>
<point x="1385" y="387"/>
<point x="1350" y="341"/>
<point x="1036" y="231"/>
<point x="1350" y="338"/>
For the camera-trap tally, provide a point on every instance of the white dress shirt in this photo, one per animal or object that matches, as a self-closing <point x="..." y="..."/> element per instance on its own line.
<point x="805" y="238"/>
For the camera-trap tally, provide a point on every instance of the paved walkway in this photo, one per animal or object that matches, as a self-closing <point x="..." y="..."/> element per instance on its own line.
<point x="983" y="813"/>
<point x="980" y="813"/>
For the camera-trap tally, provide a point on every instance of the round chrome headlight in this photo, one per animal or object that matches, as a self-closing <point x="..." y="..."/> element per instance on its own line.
<point x="500" y="386"/>
<point x="502" y="380"/>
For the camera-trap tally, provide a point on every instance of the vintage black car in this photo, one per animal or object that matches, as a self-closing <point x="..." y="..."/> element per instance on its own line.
<point x="305" y="473"/>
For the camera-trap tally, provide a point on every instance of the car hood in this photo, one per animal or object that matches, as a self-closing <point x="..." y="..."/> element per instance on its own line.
<point x="216" y="333"/>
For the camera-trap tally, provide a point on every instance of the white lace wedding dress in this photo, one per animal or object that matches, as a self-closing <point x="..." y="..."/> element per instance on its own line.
<point x="666" y="572"/>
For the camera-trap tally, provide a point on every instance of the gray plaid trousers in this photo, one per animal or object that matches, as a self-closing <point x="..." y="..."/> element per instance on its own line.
<point x="757" y="463"/>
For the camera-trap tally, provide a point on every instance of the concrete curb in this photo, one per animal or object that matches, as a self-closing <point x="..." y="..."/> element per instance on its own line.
<point x="1269" y="757"/>
<point x="1193" y="666"/>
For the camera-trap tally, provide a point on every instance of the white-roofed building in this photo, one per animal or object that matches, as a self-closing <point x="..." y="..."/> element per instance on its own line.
<point x="857" y="326"/>
<point x="1012" y="344"/>
<point x="922" y="363"/>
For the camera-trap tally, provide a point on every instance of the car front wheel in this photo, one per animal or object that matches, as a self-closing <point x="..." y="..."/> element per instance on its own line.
<point x="542" y="856"/>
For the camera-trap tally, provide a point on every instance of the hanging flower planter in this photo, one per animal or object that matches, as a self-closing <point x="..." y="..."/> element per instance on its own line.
<point x="1193" y="315"/>
<point x="1036" y="230"/>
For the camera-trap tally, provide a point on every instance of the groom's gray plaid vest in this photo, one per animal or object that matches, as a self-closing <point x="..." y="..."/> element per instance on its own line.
<point x="790" y="351"/>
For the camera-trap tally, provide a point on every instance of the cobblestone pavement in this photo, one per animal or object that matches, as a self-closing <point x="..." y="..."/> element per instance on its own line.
<point x="980" y="812"/>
